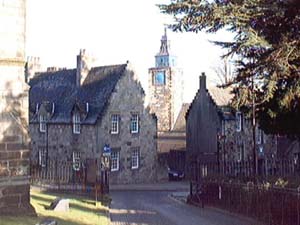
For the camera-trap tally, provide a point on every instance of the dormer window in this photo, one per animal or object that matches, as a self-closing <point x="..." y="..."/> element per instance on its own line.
<point x="76" y="123"/>
<point x="42" y="119"/>
<point x="134" y="123"/>
<point x="239" y="122"/>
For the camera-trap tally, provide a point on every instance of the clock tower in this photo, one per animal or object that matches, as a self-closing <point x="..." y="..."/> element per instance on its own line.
<point x="165" y="87"/>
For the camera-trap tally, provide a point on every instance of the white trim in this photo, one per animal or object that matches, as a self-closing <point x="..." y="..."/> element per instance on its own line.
<point x="76" y="160"/>
<point x="115" y="124"/>
<point x="260" y="136"/>
<point x="135" y="154"/>
<point x="238" y="118"/>
<point x="42" y="119"/>
<point x="115" y="157"/>
<point x="134" y="123"/>
<point x="42" y="157"/>
<point x="76" y="123"/>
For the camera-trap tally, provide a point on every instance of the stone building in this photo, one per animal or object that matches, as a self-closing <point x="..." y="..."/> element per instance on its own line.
<point x="166" y="101"/>
<point x="75" y="113"/>
<point x="14" y="151"/>
<point x="218" y="134"/>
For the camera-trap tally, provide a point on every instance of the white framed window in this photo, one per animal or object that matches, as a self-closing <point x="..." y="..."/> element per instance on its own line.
<point x="115" y="123"/>
<point x="76" y="123"/>
<point x="223" y="128"/>
<point x="238" y="119"/>
<point x="42" y="119"/>
<point x="115" y="161"/>
<point x="42" y="157"/>
<point x="260" y="137"/>
<point x="135" y="158"/>
<point x="134" y="123"/>
<point x="76" y="161"/>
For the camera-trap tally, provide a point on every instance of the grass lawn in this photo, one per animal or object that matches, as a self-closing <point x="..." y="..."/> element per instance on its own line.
<point x="82" y="211"/>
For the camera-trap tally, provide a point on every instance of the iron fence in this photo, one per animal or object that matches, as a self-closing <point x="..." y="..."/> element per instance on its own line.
<point x="266" y="168"/>
<point x="233" y="187"/>
<point x="272" y="205"/>
<point x="62" y="176"/>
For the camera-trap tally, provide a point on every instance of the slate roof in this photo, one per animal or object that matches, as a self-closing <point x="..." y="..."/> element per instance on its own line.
<point x="221" y="96"/>
<point x="60" y="87"/>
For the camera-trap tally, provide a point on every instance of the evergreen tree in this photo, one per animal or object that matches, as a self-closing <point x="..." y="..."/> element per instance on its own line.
<point x="267" y="44"/>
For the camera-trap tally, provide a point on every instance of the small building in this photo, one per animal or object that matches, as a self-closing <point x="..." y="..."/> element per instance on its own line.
<point x="76" y="113"/>
<point x="219" y="135"/>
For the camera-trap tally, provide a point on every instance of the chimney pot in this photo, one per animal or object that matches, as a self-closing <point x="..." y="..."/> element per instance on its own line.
<point x="203" y="82"/>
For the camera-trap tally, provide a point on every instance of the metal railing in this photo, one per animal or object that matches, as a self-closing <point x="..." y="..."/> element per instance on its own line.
<point x="232" y="186"/>
<point x="61" y="176"/>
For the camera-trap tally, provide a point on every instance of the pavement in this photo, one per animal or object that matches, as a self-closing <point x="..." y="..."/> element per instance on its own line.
<point x="162" y="186"/>
<point x="165" y="204"/>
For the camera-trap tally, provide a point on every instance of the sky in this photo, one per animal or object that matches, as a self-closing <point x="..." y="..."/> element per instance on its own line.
<point x="113" y="32"/>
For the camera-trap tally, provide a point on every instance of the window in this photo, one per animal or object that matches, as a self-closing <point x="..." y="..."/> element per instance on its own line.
<point x="260" y="137"/>
<point x="223" y="128"/>
<point x="76" y="123"/>
<point x="239" y="124"/>
<point x="115" y="124"/>
<point x="134" y="123"/>
<point x="76" y="161"/>
<point x="42" y="157"/>
<point x="135" y="158"/>
<point x="42" y="123"/>
<point x="115" y="160"/>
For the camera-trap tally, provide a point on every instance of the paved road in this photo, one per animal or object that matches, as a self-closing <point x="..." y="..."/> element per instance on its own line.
<point x="157" y="208"/>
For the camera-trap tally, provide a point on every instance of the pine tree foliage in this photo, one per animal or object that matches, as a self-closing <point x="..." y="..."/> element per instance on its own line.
<point x="267" y="44"/>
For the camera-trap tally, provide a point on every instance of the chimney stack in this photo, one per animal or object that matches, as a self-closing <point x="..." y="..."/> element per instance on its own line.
<point x="203" y="82"/>
<point x="83" y="67"/>
<point x="33" y="66"/>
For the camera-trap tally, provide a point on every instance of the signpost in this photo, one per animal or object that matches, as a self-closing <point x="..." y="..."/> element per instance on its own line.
<point x="106" y="151"/>
<point x="105" y="167"/>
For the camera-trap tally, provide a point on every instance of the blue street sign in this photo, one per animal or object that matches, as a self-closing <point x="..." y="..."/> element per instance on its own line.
<point x="106" y="150"/>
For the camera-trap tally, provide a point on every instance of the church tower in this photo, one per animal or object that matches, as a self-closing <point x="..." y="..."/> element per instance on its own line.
<point x="165" y="87"/>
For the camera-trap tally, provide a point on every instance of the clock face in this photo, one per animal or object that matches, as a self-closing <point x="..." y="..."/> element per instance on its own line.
<point x="160" y="78"/>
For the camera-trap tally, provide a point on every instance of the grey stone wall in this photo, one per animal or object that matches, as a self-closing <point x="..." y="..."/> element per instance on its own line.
<point x="239" y="145"/>
<point x="127" y="98"/>
<point x="62" y="142"/>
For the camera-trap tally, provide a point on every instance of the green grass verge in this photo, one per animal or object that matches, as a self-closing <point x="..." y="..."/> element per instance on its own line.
<point x="83" y="211"/>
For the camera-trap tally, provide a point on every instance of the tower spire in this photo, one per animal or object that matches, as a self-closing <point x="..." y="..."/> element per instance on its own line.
<point x="164" y="45"/>
<point x="164" y="57"/>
